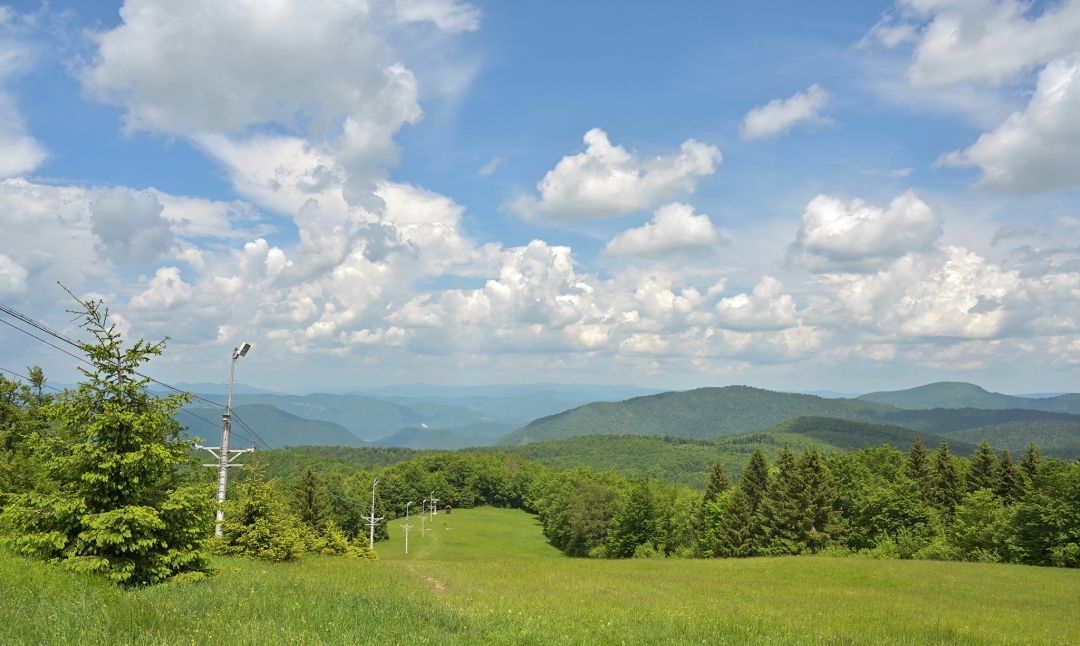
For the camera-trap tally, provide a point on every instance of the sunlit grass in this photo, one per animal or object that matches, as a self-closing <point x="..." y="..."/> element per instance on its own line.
<point x="486" y="576"/>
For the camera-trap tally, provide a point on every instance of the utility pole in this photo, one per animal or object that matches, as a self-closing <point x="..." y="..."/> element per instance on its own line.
<point x="406" y="526"/>
<point x="223" y="453"/>
<point x="372" y="520"/>
<point x="423" y="516"/>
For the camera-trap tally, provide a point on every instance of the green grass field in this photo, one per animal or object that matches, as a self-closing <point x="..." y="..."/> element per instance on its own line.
<point x="486" y="576"/>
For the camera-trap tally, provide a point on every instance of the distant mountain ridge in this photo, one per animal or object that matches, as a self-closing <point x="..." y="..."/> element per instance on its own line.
<point x="958" y="394"/>
<point x="702" y="413"/>
<point x="276" y="428"/>
<point x="710" y="413"/>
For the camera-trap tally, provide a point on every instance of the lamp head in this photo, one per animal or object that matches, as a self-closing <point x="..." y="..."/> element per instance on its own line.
<point x="242" y="350"/>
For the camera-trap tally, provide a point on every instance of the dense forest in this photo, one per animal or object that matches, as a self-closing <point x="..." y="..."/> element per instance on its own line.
<point x="102" y="479"/>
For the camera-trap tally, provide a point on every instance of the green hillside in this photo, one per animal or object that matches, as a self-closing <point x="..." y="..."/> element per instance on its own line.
<point x="688" y="461"/>
<point x="486" y="576"/>
<point x="1057" y="438"/>
<point x="848" y="436"/>
<point x="670" y="459"/>
<point x="328" y="461"/>
<point x="703" y="413"/>
<point x="274" y="426"/>
<point x="947" y="421"/>
<point x="957" y="394"/>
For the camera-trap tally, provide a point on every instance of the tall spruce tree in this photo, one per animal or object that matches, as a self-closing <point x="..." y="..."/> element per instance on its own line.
<point x="1010" y="479"/>
<point x="311" y="501"/>
<point x="780" y="514"/>
<point x="948" y="490"/>
<point x="984" y="469"/>
<point x="917" y="468"/>
<point x="818" y="500"/>
<point x="124" y="500"/>
<point x="732" y="536"/>
<point x="1031" y="461"/>
<point x="755" y="479"/>
<point x="718" y="483"/>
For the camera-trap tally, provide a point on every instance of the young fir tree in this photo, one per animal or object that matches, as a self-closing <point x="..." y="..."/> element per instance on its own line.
<point x="755" y="479"/>
<point x="948" y="490"/>
<point x="258" y="522"/>
<point x="1031" y="461"/>
<point x="780" y="514"/>
<point x="818" y="499"/>
<point x="311" y="501"/>
<point x="917" y="468"/>
<point x="1010" y="479"/>
<point x="984" y="469"/>
<point x="121" y="501"/>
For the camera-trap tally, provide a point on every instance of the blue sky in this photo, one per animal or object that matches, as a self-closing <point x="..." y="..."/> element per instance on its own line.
<point x="848" y="195"/>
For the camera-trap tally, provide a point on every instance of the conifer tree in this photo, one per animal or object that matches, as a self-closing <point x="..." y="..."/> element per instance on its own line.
<point x="124" y="500"/>
<point x="984" y="465"/>
<point x="948" y="491"/>
<point x="917" y="468"/>
<point x="718" y="483"/>
<point x="1031" y="461"/>
<point x="780" y="513"/>
<point x="311" y="501"/>
<point x="1010" y="479"/>
<point x="755" y="479"/>
<point x="259" y="524"/>
<point x="21" y="417"/>
<point x="733" y="535"/>
<point x="818" y="499"/>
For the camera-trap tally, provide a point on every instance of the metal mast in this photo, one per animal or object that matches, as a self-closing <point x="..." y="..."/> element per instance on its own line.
<point x="223" y="453"/>
<point x="372" y="520"/>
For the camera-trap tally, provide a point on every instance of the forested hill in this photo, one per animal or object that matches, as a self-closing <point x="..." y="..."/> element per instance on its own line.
<point x="688" y="461"/>
<point x="703" y="413"/>
<point x="956" y="394"/>
<point x="275" y="427"/>
<point x="710" y="413"/>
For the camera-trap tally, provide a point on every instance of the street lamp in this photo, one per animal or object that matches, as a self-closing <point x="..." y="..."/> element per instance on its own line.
<point x="224" y="457"/>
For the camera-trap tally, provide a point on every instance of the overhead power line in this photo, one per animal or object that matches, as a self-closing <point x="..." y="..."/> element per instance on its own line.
<point x="19" y="316"/>
<point x="266" y="445"/>
<point x="53" y="333"/>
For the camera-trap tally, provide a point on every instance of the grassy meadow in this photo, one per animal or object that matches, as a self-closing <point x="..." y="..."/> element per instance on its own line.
<point x="486" y="576"/>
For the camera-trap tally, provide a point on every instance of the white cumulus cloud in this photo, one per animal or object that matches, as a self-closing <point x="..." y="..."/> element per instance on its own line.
<point x="608" y="180"/>
<point x="989" y="41"/>
<point x="674" y="228"/>
<point x="950" y="293"/>
<point x="1037" y="149"/>
<point x="767" y="307"/>
<point x="781" y="115"/>
<point x="856" y="236"/>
